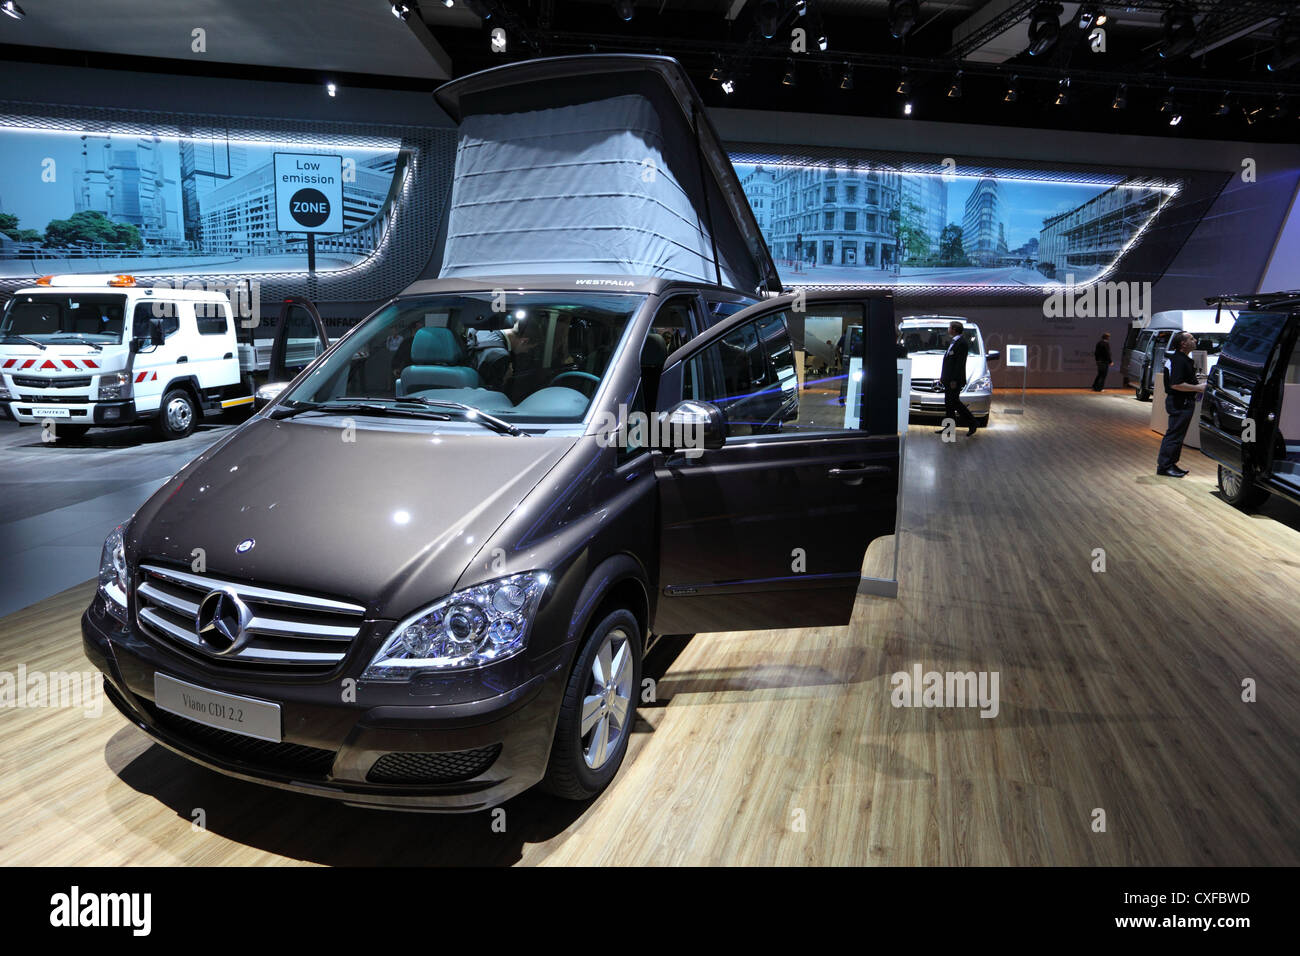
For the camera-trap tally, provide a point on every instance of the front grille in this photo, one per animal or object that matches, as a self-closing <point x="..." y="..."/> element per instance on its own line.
<point x="35" y="381"/>
<point x="926" y="385"/>
<point x="451" y="767"/>
<point x="284" y="757"/>
<point x="54" y="399"/>
<point x="284" y="631"/>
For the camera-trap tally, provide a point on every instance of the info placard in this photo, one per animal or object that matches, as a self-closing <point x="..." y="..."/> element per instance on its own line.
<point x="308" y="193"/>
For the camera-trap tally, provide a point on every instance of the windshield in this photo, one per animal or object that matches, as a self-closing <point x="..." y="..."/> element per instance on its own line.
<point x="520" y="357"/>
<point x="920" y="339"/>
<point x="48" y="317"/>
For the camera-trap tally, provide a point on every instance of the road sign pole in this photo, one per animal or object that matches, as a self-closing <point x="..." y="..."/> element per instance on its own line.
<point x="311" y="252"/>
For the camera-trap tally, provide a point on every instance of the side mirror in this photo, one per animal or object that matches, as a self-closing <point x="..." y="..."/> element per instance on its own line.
<point x="135" y="345"/>
<point x="992" y="355"/>
<point x="267" y="394"/>
<point x="693" y="427"/>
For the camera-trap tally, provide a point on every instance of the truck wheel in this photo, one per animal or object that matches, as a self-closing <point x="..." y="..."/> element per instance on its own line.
<point x="70" y="432"/>
<point x="598" y="710"/>
<point x="1240" y="490"/>
<point x="177" y="414"/>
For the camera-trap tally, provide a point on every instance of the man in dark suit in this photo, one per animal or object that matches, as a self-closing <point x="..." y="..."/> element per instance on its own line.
<point x="953" y="378"/>
<point x="1183" y="388"/>
<point x="1102" y="354"/>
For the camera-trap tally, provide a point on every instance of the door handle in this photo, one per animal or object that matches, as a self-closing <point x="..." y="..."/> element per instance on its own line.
<point x="860" y="472"/>
<point x="183" y="358"/>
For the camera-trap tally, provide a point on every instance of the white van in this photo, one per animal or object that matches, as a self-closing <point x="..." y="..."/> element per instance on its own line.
<point x="926" y="338"/>
<point x="88" y="351"/>
<point x="1145" y="348"/>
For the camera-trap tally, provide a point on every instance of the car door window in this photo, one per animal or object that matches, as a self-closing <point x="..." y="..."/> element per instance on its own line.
<point x="753" y="372"/>
<point x="165" y="313"/>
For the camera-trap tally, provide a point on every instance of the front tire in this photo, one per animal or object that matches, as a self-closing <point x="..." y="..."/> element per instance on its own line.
<point x="1241" y="490"/>
<point x="598" y="709"/>
<point x="177" y="414"/>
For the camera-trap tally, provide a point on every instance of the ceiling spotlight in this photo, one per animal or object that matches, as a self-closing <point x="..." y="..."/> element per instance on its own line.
<point x="903" y="15"/>
<point x="1012" y="94"/>
<point x="331" y="89"/>
<point x="801" y="7"/>
<point x="1286" y="48"/>
<point x="1180" y="31"/>
<point x="11" y="9"/>
<point x="1044" y="27"/>
<point x="907" y="108"/>
<point x="401" y="11"/>
<point x="789" y="79"/>
<point x="954" y="91"/>
<point x="768" y="18"/>
<point x="904" y="85"/>
<point x="624" y="10"/>
<point x="1279" y="108"/>
<point x="1176" y="117"/>
<point x="822" y="43"/>
<point x="846" y="78"/>
<point x="449" y="3"/>
<point x="1252" y="114"/>
<point x="728" y="86"/>
<point x="1167" y="104"/>
<point x="1089" y="16"/>
<point x="1120" y="102"/>
<point x="1225" y="105"/>
<point x="717" y="75"/>
<point x="1063" y="92"/>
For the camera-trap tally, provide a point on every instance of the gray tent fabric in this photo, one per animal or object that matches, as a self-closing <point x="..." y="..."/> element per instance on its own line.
<point x="599" y="188"/>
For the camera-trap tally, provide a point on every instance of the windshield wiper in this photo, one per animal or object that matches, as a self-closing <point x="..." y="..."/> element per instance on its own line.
<point x="15" y="335"/>
<point x="82" y="339"/>
<point x="288" y="410"/>
<point x="471" y="414"/>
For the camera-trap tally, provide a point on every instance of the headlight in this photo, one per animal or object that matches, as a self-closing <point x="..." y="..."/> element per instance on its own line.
<point x="112" y="573"/>
<point x="4" y="395"/>
<point x="476" y="626"/>
<point x="114" y="386"/>
<point x="982" y="384"/>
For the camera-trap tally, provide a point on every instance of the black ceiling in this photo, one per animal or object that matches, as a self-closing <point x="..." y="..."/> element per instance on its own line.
<point x="1225" y="63"/>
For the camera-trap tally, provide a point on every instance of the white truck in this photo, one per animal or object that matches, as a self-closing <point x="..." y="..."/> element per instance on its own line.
<point x="100" y="351"/>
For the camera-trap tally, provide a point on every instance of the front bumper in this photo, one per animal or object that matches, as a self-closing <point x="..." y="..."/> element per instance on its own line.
<point x="482" y="751"/>
<point x="930" y="404"/>
<point x="87" y="413"/>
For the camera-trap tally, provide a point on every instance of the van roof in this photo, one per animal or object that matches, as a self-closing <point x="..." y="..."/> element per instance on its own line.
<point x="641" y="285"/>
<point x="1193" y="320"/>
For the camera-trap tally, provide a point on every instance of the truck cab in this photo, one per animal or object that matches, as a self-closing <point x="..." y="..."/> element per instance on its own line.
<point x="90" y="351"/>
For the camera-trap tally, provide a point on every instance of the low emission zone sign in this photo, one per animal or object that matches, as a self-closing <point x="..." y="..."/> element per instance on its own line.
<point x="308" y="193"/>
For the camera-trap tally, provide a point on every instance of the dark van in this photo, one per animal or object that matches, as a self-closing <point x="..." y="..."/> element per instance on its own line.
<point x="1250" y="415"/>
<point x="430" y="578"/>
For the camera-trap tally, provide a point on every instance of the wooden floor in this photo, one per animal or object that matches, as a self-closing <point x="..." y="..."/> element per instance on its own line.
<point x="1119" y="691"/>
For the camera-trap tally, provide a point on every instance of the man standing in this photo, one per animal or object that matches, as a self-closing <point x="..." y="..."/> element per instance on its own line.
<point x="1181" y="392"/>
<point x="1102" y="354"/>
<point x="953" y="378"/>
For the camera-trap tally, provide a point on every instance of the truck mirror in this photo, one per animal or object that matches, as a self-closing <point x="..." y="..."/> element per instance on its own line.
<point x="992" y="355"/>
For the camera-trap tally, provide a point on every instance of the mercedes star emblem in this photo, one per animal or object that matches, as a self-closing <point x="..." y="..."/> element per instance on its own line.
<point x="222" y="622"/>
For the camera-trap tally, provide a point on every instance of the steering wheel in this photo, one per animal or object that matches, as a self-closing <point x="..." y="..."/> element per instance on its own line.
<point x="594" y="380"/>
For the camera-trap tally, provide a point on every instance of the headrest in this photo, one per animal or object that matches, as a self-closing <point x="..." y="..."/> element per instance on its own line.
<point x="655" y="350"/>
<point x="436" y="346"/>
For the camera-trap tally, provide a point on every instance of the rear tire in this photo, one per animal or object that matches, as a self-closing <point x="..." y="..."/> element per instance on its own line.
<point x="177" y="414"/>
<point x="1241" y="490"/>
<point x="604" y="684"/>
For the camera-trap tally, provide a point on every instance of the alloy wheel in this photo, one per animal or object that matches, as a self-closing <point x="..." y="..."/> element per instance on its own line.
<point x="608" y="700"/>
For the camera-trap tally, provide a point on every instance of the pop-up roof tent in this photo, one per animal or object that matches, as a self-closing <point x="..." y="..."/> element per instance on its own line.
<point x="596" y="165"/>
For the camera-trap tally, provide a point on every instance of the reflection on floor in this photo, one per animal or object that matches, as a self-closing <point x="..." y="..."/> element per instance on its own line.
<point x="60" y="499"/>
<point x="1119" y="691"/>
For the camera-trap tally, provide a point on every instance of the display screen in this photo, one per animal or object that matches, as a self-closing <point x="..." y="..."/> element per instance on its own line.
<point x="101" y="202"/>
<point x="879" y="225"/>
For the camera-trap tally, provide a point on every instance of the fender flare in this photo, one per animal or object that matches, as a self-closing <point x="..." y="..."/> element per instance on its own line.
<point x="611" y="572"/>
